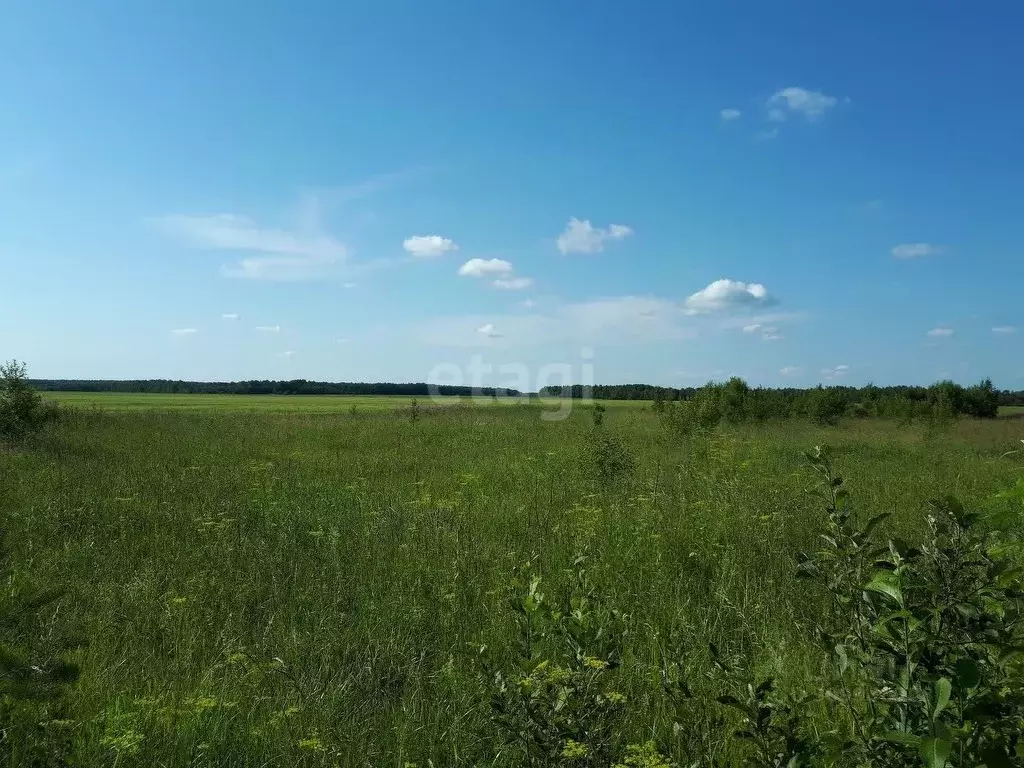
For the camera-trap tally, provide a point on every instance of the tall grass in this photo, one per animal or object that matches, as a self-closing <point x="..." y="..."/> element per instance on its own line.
<point x="315" y="589"/>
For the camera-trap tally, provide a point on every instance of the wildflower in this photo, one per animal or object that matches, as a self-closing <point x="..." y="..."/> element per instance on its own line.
<point x="614" y="697"/>
<point x="573" y="750"/>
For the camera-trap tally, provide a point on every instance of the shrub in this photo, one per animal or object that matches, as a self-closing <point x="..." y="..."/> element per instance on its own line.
<point x="981" y="400"/>
<point x="924" y="641"/>
<point x="825" y="406"/>
<point x="554" y="700"/>
<point x="23" y="411"/>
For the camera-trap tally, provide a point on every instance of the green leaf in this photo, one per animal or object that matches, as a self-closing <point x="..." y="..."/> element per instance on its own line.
<point x="844" y="661"/>
<point x="901" y="737"/>
<point x="1010" y="652"/>
<point x="967" y="673"/>
<point x="875" y="521"/>
<point x="942" y="689"/>
<point x="935" y="752"/>
<point x="886" y="583"/>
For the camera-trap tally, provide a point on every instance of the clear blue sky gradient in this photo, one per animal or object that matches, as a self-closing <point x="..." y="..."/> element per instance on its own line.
<point x="149" y="151"/>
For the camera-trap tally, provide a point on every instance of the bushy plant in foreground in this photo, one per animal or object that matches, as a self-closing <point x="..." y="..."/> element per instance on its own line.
<point x="924" y="644"/>
<point x="554" y="701"/>
<point x="22" y="410"/>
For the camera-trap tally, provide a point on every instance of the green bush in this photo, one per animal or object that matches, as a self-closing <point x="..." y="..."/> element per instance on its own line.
<point x="23" y="411"/>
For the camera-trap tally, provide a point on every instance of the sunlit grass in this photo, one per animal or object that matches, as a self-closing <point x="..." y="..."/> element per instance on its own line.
<point x="295" y="587"/>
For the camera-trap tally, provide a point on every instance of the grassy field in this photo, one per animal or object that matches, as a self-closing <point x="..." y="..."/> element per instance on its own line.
<point x="315" y="587"/>
<point x="308" y="403"/>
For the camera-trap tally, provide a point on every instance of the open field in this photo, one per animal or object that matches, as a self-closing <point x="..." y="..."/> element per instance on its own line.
<point x="307" y="403"/>
<point x="315" y="588"/>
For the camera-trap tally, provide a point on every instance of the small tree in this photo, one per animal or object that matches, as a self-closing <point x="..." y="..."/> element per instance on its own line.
<point x="22" y="410"/>
<point x="825" y="406"/>
<point x="982" y="400"/>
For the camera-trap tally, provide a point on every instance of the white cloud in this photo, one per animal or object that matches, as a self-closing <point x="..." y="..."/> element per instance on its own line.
<point x="229" y="316"/>
<point x="485" y="268"/>
<point x="583" y="237"/>
<point x="768" y="332"/>
<point x="836" y="372"/>
<point x="768" y="135"/>
<point x="1004" y="329"/>
<point x="184" y="331"/>
<point x="730" y="114"/>
<point x="527" y="304"/>
<point x="269" y="328"/>
<point x="792" y="370"/>
<point x="289" y="353"/>
<point x="344" y="341"/>
<point x="428" y="246"/>
<point x="292" y="255"/>
<point x="726" y="295"/>
<point x="810" y="104"/>
<point x="936" y="333"/>
<point x="513" y="283"/>
<point x="915" y="250"/>
<point x="489" y="331"/>
<point x="349" y="285"/>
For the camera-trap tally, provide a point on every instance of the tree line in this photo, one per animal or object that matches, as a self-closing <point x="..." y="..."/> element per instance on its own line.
<point x="735" y="400"/>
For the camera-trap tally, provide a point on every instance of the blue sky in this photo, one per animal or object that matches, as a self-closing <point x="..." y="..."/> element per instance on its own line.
<point x="792" y="192"/>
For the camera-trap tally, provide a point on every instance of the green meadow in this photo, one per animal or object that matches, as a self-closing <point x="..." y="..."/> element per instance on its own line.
<point x="325" y="581"/>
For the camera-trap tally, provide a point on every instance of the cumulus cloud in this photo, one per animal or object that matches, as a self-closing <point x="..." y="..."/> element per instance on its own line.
<point x="269" y="328"/>
<point x="938" y="333"/>
<point x="914" y="250"/>
<point x="727" y="295"/>
<point x="584" y="237"/>
<point x="485" y="268"/>
<point x="513" y="283"/>
<point x="229" y="316"/>
<point x="489" y="331"/>
<point x="730" y="114"/>
<point x="800" y="101"/>
<point x="428" y="246"/>
<point x="289" y="255"/>
<point x="1004" y="329"/>
<point x="792" y="370"/>
<point x="184" y="331"/>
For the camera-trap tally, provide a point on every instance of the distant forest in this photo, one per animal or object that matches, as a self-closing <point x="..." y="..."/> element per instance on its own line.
<point x="869" y="394"/>
<point x="850" y="394"/>
<point x="737" y="401"/>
